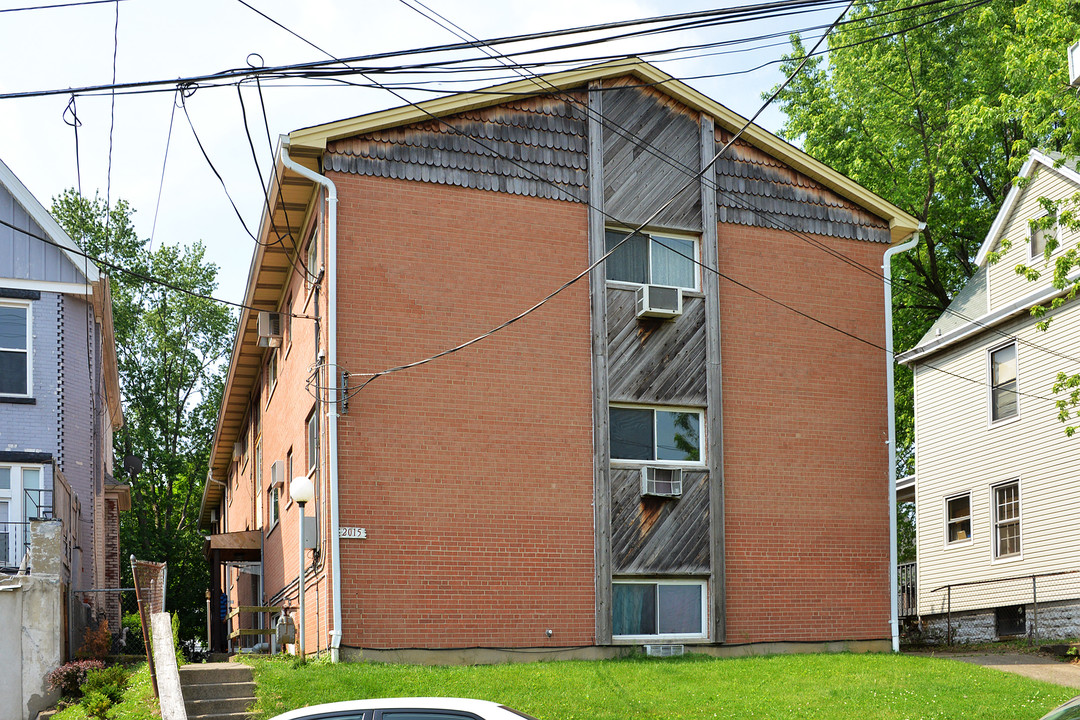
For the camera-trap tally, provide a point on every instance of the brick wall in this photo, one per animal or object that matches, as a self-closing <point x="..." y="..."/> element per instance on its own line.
<point x="473" y="474"/>
<point x="805" y="458"/>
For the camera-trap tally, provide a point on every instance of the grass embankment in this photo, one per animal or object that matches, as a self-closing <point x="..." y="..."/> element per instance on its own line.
<point x="138" y="702"/>
<point x="866" y="687"/>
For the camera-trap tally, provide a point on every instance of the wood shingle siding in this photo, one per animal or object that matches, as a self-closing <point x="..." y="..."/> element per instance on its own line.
<point x="650" y="154"/>
<point x="507" y="148"/>
<point x="758" y="190"/>
<point x="657" y="536"/>
<point x="653" y="361"/>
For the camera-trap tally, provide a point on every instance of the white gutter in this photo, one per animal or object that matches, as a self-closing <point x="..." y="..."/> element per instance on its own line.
<point x="331" y="384"/>
<point x="886" y="266"/>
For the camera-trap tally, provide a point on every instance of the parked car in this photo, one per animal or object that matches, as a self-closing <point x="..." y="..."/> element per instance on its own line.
<point x="416" y="708"/>
<point x="1068" y="711"/>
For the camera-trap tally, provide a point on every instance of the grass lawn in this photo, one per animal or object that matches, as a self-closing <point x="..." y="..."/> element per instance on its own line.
<point x="883" y="686"/>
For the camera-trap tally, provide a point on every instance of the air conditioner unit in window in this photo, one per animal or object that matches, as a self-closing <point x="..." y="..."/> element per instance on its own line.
<point x="269" y="329"/>
<point x="213" y="516"/>
<point x="661" y="482"/>
<point x="237" y="450"/>
<point x="664" y="650"/>
<point x="277" y="473"/>
<point x="659" y="301"/>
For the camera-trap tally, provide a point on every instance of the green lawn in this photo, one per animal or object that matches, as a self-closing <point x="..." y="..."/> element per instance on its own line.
<point x="892" y="687"/>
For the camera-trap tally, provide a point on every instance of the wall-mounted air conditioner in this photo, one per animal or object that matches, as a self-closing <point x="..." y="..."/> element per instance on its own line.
<point x="213" y="516"/>
<point x="237" y="450"/>
<point x="269" y="329"/>
<point x="659" y="301"/>
<point x="277" y="473"/>
<point x="661" y="482"/>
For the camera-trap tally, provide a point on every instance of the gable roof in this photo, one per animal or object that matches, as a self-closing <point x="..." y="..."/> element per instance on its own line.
<point x="47" y="222"/>
<point x="1036" y="158"/>
<point x="316" y="137"/>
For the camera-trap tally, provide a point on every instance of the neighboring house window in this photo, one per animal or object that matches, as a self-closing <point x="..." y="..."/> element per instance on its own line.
<point x="674" y="609"/>
<point x="312" y="260"/>
<point x="1007" y="519"/>
<point x="958" y="518"/>
<point x="243" y="442"/>
<point x="652" y="259"/>
<point x="1003" y="397"/>
<point x="288" y="476"/>
<point x="287" y="322"/>
<point x="22" y="498"/>
<point x="258" y="484"/>
<point x="656" y="434"/>
<point x="1040" y="235"/>
<point x="15" y="349"/>
<point x="275" y="497"/>
<point x="271" y="373"/>
<point x="312" y="441"/>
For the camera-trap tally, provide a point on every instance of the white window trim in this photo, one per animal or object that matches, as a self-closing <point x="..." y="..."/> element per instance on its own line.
<point x="28" y="306"/>
<point x="16" y="499"/>
<point x="272" y="377"/>
<point x="650" y="233"/>
<point x="630" y="462"/>
<point x="971" y="521"/>
<point x="991" y="422"/>
<point x="703" y="584"/>
<point x="1054" y="230"/>
<point x="273" y="516"/>
<point x="994" y="559"/>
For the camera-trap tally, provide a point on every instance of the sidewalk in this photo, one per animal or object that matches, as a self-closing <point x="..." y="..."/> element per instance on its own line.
<point x="1036" y="667"/>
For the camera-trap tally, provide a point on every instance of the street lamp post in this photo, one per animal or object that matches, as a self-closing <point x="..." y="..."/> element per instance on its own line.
<point x="302" y="492"/>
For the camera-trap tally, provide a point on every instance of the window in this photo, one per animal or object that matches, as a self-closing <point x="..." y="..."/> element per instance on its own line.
<point x="286" y="323"/>
<point x="271" y="373"/>
<point x="652" y="259"/>
<point x="658" y="608"/>
<point x="311" y="262"/>
<point x="1007" y="519"/>
<point x="1040" y="236"/>
<point x="274" y="499"/>
<point x="312" y="440"/>
<point x="1003" y="398"/>
<point x="288" y="475"/>
<point x="15" y="349"/>
<point x="958" y="518"/>
<point x="653" y="434"/>
<point x="258" y="484"/>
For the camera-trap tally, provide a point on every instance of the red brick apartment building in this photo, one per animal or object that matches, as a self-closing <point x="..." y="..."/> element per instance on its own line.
<point x="659" y="454"/>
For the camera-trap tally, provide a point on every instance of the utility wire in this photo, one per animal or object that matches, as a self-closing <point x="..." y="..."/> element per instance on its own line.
<point x="58" y="5"/>
<point x="164" y="162"/>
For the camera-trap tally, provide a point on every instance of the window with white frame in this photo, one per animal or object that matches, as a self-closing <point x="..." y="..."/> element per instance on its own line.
<point x="312" y="441"/>
<point x="1007" y="519"/>
<point x="273" y="500"/>
<point x="271" y="373"/>
<point x="656" y="434"/>
<point x="652" y="259"/>
<point x="958" y="518"/>
<point x="1003" y="383"/>
<point x="1042" y="231"/>
<point x="22" y="498"/>
<point x="15" y="334"/>
<point x="311" y="262"/>
<point x="257" y="475"/>
<point x="664" y="609"/>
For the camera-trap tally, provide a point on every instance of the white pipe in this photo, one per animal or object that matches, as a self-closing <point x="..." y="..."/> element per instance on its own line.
<point x="890" y="360"/>
<point x="331" y="384"/>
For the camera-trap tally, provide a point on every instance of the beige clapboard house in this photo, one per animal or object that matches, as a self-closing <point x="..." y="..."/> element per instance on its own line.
<point x="997" y="482"/>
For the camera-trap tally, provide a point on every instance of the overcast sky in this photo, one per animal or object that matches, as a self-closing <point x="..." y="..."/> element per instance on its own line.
<point x="72" y="47"/>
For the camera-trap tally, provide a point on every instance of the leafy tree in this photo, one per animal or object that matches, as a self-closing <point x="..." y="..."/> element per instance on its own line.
<point x="171" y="347"/>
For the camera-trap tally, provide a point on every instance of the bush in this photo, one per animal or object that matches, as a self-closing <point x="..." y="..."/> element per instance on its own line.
<point x="133" y="642"/>
<point x="97" y="705"/>
<point x="69" y="678"/>
<point x="110" y="682"/>
<point x="97" y="641"/>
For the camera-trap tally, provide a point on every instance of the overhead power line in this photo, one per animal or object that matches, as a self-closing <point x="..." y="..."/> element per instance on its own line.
<point x="55" y="6"/>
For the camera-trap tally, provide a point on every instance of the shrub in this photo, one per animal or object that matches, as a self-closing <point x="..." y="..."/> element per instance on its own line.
<point x="97" y="705"/>
<point x="69" y="678"/>
<point x="97" y="641"/>
<point x="109" y="681"/>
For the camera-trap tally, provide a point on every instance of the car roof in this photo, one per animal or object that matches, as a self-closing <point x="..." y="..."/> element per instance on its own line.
<point x="435" y="703"/>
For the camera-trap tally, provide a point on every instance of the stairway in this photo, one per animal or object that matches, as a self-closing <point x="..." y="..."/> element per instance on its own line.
<point x="217" y="691"/>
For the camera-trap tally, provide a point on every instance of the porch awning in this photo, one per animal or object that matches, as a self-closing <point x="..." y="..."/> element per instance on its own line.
<point x="235" y="546"/>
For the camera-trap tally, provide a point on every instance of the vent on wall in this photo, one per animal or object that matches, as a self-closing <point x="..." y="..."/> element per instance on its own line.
<point x="661" y="482"/>
<point x="269" y="329"/>
<point x="664" y="650"/>
<point x="659" y="301"/>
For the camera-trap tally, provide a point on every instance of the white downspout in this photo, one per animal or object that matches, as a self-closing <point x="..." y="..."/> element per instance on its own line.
<point x="890" y="360"/>
<point x="331" y="384"/>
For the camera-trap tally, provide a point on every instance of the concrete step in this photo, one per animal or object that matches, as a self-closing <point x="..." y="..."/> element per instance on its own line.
<point x="214" y="673"/>
<point x="205" y="708"/>
<point x="216" y="691"/>
<point x="223" y="716"/>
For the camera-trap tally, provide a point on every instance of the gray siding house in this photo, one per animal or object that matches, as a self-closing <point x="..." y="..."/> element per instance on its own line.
<point x="59" y="403"/>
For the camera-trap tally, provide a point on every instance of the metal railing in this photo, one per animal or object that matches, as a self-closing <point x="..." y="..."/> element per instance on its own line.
<point x="906" y="590"/>
<point x="1036" y="607"/>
